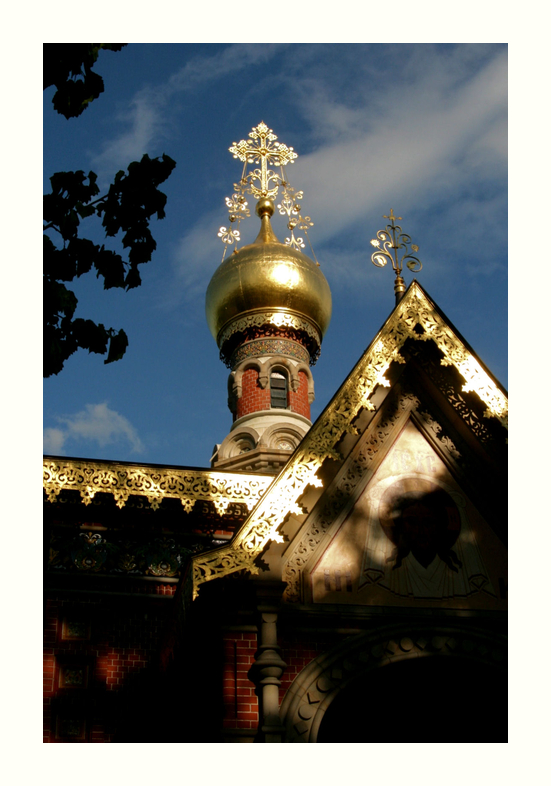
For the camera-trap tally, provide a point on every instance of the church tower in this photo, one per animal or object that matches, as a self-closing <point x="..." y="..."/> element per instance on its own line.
<point x="268" y="306"/>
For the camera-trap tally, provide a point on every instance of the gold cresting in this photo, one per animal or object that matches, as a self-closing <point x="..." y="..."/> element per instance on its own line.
<point x="262" y="525"/>
<point x="153" y="483"/>
<point x="389" y="244"/>
<point x="264" y="183"/>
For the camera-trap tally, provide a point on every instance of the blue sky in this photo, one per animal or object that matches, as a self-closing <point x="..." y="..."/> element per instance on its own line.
<point x="420" y="128"/>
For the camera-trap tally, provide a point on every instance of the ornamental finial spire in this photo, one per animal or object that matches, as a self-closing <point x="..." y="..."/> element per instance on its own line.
<point x="263" y="184"/>
<point x="393" y="239"/>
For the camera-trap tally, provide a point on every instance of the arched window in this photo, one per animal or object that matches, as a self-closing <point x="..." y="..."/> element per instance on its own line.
<point x="278" y="390"/>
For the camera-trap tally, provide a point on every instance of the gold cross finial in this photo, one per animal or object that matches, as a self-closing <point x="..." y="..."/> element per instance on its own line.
<point x="393" y="239"/>
<point x="392" y="218"/>
<point x="263" y="150"/>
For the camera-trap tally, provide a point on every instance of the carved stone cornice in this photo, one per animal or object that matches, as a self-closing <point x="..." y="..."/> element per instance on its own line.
<point x="153" y="483"/>
<point x="414" y="317"/>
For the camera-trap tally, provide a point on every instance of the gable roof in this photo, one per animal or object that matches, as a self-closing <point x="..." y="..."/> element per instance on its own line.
<point x="415" y="317"/>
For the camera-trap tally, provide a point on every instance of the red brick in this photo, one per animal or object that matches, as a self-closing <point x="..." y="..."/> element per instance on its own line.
<point x="248" y="716"/>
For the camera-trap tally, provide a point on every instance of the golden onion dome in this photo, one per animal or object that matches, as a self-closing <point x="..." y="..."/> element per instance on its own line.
<point x="267" y="276"/>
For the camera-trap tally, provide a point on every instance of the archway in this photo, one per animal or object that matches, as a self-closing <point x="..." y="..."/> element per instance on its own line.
<point x="432" y="699"/>
<point x="402" y="680"/>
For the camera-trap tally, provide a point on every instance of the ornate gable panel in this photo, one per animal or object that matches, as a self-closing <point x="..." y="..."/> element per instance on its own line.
<point x="409" y="536"/>
<point x="473" y="398"/>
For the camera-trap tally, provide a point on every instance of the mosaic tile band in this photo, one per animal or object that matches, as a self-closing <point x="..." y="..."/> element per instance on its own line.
<point x="274" y="346"/>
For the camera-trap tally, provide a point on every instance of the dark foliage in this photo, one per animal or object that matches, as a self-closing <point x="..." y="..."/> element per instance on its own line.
<point x="69" y="68"/>
<point x="126" y="208"/>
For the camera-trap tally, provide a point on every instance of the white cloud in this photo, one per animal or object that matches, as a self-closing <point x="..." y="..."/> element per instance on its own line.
<point x="145" y="121"/>
<point x="201" y="70"/>
<point x="54" y="440"/>
<point x="146" y="113"/>
<point x="95" y="423"/>
<point x="432" y="138"/>
<point x="194" y="259"/>
<point x="423" y="144"/>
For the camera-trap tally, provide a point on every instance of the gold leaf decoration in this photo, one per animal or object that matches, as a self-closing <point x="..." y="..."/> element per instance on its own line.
<point x="153" y="483"/>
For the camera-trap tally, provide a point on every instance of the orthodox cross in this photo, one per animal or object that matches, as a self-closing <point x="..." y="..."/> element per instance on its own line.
<point x="393" y="240"/>
<point x="262" y="148"/>
<point x="266" y="151"/>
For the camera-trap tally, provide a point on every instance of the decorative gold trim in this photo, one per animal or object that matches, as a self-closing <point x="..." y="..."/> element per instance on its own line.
<point x="290" y="205"/>
<point x="154" y="483"/>
<point x="320" y="442"/>
<point x="281" y="319"/>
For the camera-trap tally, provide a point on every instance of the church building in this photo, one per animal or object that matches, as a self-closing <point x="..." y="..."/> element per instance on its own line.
<point x="319" y="582"/>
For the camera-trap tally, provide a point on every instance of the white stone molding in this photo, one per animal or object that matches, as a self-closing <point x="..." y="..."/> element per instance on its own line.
<point x="237" y="442"/>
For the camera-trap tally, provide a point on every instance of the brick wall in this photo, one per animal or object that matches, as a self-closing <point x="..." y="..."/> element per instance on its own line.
<point x="239" y="698"/>
<point x="298" y="652"/>
<point x="240" y="701"/>
<point x="90" y="652"/>
<point x="253" y="398"/>
<point x="298" y="401"/>
<point x="96" y="649"/>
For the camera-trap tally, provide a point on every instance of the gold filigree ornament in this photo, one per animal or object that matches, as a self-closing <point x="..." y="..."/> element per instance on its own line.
<point x="264" y="183"/>
<point x="263" y="150"/>
<point x="262" y="525"/>
<point x="389" y="244"/>
<point x="238" y="210"/>
<point x="153" y="483"/>
<point x="290" y="206"/>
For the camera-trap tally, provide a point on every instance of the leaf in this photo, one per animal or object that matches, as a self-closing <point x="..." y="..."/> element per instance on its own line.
<point x="58" y="346"/>
<point x="90" y="336"/>
<point x="85" y="210"/>
<point x="58" y="264"/>
<point x="128" y="207"/>
<point x="111" y="266"/>
<point x="69" y="68"/>
<point x="74" y="96"/>
<point x="84" y="253"/>
<point x="117" y="346"/>
<point x="59" y="302"/>
<point x="133" y="279"/>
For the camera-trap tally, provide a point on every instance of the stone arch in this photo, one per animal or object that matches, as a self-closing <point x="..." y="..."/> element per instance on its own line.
<point x="235" y="388"/>
<point x="279" y="363"/>
<point x="277" y="433"/>
<point x="242" y="440"/>
<point x="265" y="366"/>
<point x="318" y="684"/>
<point x="309" y="379"/>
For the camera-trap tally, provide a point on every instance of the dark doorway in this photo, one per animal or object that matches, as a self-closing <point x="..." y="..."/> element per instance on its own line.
<point x="431" y="699"/>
